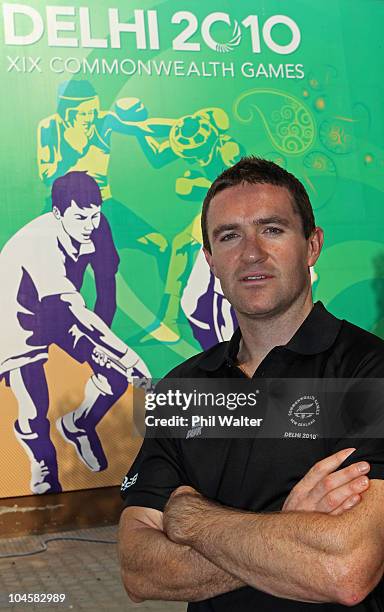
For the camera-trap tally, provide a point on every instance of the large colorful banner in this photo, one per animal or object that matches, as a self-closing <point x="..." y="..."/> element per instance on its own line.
<point x="152" y="100"/>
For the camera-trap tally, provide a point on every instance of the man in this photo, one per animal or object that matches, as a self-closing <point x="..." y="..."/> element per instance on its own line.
<point x="262" y="524"/>
<point x="42" y="268"/>
<point x="203" y="141"/>
<point x="78" y="136"/>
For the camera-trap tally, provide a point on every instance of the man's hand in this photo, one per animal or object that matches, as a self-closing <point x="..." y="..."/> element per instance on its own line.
<point x="75" y="137"/>
<point x="323" y="489"/>
<point x="153" y="567"/>
<point x="101" y="358"/>
<point x="178" y="512"/>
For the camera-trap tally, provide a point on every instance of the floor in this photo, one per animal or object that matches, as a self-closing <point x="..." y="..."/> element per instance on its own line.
<point x="87" y="573"/>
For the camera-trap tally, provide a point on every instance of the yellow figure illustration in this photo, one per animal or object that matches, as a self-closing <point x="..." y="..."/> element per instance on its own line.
<point x="202" y="140"/>
<point x="78" y="137"/>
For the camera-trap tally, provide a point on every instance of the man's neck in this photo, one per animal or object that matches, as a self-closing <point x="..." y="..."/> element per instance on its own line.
<point x="261" y="335"/>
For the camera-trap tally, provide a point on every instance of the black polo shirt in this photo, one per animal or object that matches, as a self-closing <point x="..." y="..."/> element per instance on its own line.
<point x="258" y="474"/>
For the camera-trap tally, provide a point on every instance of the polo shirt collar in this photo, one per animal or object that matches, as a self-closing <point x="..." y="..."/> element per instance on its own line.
<point x="316" y="334"/>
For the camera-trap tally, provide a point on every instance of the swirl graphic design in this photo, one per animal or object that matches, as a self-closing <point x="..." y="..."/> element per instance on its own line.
<point x="337" y="136"/>
<point x="320" y="162"/>
<point x="231" y="44"/>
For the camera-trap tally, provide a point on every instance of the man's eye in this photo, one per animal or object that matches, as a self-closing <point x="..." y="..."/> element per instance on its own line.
<point x="273" y="230"/>
<point x="228" y="237"/>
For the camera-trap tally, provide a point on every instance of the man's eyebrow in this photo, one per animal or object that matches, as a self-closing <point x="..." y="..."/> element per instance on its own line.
<point x="275" y="219"/>
<point x="224" y="227"/>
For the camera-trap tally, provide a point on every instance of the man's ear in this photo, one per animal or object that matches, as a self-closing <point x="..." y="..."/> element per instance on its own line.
<point x="208" y="257"/>
<point x="56" y="213"/>
<point x="315" y="244"/>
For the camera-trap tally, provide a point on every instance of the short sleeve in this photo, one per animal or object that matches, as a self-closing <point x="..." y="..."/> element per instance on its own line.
<point x="47" y="269"/>
<point x="154" y="475"/>
<point x="364" y="425"/>
<point x="371" y="450"/>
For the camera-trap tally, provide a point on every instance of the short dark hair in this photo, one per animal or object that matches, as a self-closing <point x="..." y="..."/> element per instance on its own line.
<point x="78" y="186"/>
<point x="254" y="170"/>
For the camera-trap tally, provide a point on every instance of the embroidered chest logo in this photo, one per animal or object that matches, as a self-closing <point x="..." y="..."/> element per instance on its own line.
<point x="304" y="411"/>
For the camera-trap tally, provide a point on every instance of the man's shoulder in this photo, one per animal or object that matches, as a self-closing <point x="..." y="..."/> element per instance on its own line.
<point x="363" y="349"/>
<point x="103" y="232"/>
<point x="50" y="122"/>
<point x="195" y="366"/>
<point x="33" y="235"/>
<point x="361" y="338"/>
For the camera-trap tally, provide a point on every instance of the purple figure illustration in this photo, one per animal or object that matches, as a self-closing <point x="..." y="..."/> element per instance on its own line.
<point x="41" y="270"/>
<point x="209" y="313"/>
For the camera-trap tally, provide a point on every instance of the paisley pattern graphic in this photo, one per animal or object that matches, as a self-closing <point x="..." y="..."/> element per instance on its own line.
<point x="287" y="120"/>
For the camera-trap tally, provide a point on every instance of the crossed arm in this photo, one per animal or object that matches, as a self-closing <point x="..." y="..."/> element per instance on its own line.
<point x="322" y="558"/>
<point x="199" y="549"/>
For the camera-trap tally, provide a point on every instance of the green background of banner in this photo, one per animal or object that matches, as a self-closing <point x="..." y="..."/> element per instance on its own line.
<point x="341" y="51"/>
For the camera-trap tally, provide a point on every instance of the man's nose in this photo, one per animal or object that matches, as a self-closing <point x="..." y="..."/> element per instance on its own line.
<point x="253" y="249"/>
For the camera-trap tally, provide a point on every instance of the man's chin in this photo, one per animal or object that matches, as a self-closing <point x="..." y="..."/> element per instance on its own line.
<point x="84" y="239"/>
<point x="256" y="311"/>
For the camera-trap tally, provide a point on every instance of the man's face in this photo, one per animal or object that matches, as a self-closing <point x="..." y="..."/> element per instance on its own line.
<point x="85" y="116"/>
<point x="79" y="223"/>
<point x="259" y="251"/>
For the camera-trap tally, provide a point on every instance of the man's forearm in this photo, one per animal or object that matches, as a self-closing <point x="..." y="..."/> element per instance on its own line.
<point x="91" y="321"/>
<point x="291" y="555"/>
<point x="105" y="305"/>
<point x="153" y="567"/>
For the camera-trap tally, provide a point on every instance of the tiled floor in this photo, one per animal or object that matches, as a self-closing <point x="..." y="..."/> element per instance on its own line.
<point x="87" y="573"/>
